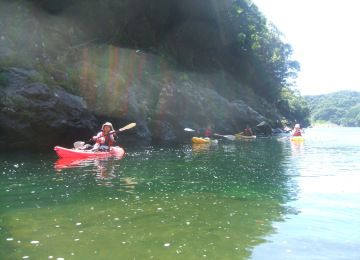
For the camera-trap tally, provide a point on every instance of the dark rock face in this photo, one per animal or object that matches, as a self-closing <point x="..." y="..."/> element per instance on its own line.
<point x="164" y="101"/>
<point x="263" y="129"/>
<point x="181" y="73"/>
<point x="6" y="53"/>
<point x="34" y="115"/>
<point x="199" y="35"/>
<point x="197" y="108"/>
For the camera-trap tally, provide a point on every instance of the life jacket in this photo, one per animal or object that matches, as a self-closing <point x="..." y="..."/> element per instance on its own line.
<point x="297" y="132"/>
<point x="107" y="139"/>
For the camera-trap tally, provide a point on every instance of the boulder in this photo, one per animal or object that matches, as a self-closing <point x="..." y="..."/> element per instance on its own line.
<point x="36" y="115"/>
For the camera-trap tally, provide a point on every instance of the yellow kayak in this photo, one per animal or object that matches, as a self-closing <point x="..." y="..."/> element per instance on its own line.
<point x="200" y="140"/>
<point x="297" y="138"/>
<point x="240" y="136"/>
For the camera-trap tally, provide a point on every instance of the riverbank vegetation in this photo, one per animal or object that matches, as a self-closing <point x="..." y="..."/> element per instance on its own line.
<point x="340" y="108"/>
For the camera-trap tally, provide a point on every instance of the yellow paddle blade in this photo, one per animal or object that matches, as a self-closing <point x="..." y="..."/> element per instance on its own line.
<point x="129" y="126"/>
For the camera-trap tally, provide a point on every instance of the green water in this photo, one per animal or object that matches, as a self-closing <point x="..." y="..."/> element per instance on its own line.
<point x="257" y="199"/>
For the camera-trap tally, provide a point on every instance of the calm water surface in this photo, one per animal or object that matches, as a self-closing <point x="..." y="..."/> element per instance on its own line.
<point x="260" y="199"/>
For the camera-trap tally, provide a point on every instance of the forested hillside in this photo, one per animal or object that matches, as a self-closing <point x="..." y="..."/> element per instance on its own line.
<point x="341" y="108"/>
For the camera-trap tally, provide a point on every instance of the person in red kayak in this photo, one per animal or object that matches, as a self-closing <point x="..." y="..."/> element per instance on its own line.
<point x="297" y="130"/>
<point x="104" y="139"/>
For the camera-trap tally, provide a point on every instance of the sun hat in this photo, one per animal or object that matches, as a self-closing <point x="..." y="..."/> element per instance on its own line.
<point x="107" y="124"/>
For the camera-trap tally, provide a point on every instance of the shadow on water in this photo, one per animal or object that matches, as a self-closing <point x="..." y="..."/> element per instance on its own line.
<point x="186" y="202"/>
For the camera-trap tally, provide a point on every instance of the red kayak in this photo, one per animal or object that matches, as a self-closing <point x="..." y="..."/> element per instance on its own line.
<point x="74" y="153"/>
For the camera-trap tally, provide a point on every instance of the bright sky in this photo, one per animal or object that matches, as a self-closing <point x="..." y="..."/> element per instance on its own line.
<point x="325" y="36"/>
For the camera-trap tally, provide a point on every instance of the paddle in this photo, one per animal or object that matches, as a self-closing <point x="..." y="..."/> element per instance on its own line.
<point x="127" y="127"/>
<point x="261" y="124"/>
<point x="233" y="137"/>
<point x="80" y="144"/>
<point x="229" y="137"/>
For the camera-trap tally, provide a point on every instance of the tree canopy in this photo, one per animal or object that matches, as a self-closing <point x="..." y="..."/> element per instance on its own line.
<point x="341" y="108"/>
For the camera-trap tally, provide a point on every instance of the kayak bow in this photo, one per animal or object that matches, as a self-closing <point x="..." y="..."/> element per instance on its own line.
<point x="297" y="138"/>
<point x="206" y="140"/>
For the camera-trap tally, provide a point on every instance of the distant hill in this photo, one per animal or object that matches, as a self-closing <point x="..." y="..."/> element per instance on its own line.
<point x="341" y="108"/>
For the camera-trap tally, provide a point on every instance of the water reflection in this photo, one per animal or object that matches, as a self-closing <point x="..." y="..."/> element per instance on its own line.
<point x="104" y="171"/>
<point x="200" y="148"/>
<point x="209" y="202"/>
<point x="128" y="184"/>
<point x="67" y="163"/>
<point x="297" y="148"/>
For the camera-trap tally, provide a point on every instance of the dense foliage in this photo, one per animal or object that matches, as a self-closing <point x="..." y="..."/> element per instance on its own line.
<point x="341" y="108"/>
<point x="294" y="107"/>
<point x="265" y="58"/>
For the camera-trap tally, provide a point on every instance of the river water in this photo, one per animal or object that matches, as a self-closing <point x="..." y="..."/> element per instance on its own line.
<point x="259" y="199"/>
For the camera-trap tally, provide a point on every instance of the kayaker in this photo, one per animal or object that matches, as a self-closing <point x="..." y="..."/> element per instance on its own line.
<point x="104" y="139"/>
<point x="247" y="131"/>
<point x="297" y="130"/>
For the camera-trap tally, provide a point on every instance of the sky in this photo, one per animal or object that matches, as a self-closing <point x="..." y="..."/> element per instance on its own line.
<point x="325" y="36"/>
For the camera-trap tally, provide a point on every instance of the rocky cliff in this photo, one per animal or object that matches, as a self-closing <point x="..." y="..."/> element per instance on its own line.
<point x="165" y="66"/>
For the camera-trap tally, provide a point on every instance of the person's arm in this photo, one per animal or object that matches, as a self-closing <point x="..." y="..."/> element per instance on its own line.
<point x="98" y="138"/>
<point x="95" y="137"/>
<point x="113" y="136"/>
